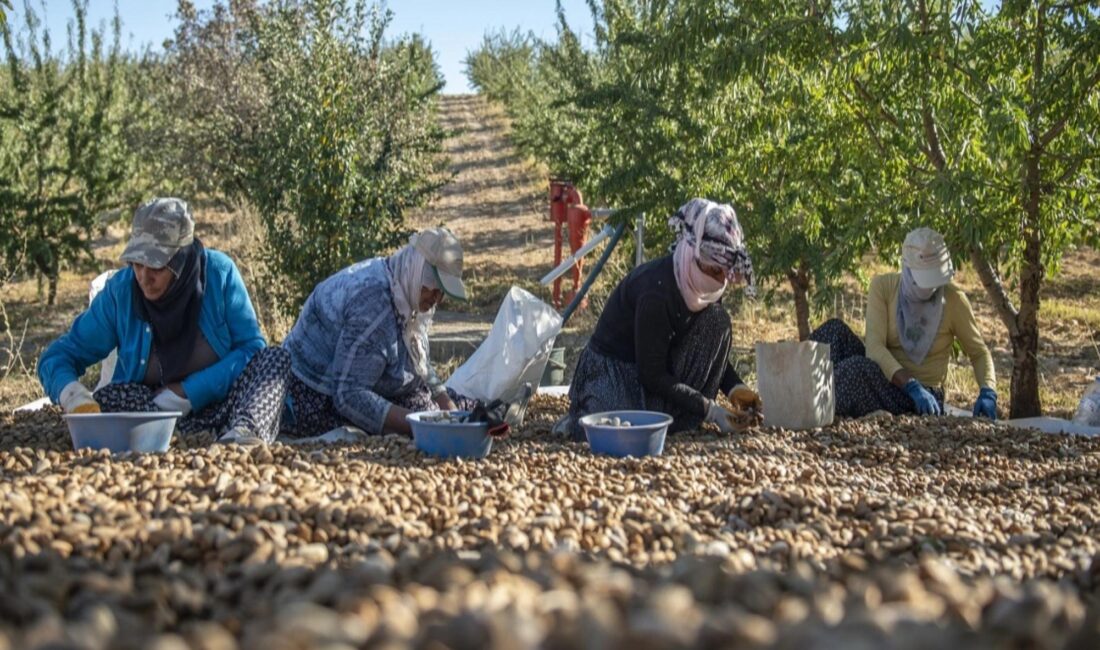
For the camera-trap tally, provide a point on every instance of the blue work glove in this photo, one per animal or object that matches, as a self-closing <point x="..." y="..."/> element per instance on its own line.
<point x="924" y="400"/>
<point x="986" y="404"/>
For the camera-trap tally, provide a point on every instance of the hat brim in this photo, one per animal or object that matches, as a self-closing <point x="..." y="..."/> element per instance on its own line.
<point x="452" y="285"/>
<point x="932" y="278"/>
<point x="155" y="257"/>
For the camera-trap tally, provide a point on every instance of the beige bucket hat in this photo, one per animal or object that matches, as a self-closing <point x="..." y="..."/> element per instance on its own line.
<point x="443" y="251"/>
<point x="926" y="255"/>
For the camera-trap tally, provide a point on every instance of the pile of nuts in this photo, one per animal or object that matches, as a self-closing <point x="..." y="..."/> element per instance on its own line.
<point x="443" y="417"/>
<point x="938" y="530"/>
<point x="504" y="600"/>
<point x="613" y="422"/>
<point x="745" y="418"/>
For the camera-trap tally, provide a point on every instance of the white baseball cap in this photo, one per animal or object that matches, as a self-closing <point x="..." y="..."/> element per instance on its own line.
<point x="443" y="251"/>
<point x="926" y="255"/>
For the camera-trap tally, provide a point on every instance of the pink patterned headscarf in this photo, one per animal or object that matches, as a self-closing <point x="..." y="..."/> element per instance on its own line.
<point x="712" y="231"/>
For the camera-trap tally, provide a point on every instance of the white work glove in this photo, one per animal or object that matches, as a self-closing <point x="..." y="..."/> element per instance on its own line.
<point x="167" y="400"/>
<point x="720" y="417"/>
<point x="76" y="398"/>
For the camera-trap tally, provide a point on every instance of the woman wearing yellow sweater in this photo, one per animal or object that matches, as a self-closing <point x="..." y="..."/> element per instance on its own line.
<point x="913" y="319"/>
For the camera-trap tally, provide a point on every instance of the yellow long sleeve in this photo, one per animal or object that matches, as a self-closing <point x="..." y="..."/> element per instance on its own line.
<point x="884" y="345"/>
<point x="966" y="331"/>
<point x="880" y="322"/>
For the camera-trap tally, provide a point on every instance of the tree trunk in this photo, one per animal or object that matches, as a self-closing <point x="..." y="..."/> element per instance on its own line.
<point x="48" y="269"/>
<point x="1025" y="372"/>
<point x="1025" y="343"/>
<point x="52" y="297"/>
<point x="800" y="284"/>
<point x="1022" y="324"/>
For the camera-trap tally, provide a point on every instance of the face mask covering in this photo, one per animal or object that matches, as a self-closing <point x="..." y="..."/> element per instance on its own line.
<point x="698" y="289"/>
<point x="919" y="314"/>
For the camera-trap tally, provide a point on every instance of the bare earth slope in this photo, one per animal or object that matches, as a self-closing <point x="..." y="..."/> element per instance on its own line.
<point x="495" y="203"/>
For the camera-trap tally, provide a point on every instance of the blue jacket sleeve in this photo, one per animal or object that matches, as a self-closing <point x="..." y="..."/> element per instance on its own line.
<point x="90" y="339"/>
<point x="212" y="384"/>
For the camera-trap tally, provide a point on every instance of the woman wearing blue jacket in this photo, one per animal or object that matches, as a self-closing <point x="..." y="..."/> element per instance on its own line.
<point x="186" y="334"/>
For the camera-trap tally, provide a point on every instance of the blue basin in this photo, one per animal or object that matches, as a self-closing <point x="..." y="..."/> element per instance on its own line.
<point x="450" y="439"/>
<point x="644" y="437"/>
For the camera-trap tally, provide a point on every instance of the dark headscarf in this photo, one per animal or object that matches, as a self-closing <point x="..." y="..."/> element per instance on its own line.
<point x="175" y="315"/>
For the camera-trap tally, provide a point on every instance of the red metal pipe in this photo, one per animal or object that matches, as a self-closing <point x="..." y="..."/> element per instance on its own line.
<point x="567" y="208"/>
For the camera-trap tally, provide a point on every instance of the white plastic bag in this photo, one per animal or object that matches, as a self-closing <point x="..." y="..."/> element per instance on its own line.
<point x="514" y="354"/>
<point x="108" y="369"/>
<point x="795" y="381"/>
<point x="1054" y="425"/>
<point x="1088" y="411"/>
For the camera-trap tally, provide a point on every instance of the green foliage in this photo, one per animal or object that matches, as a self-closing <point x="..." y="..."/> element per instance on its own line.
<point x="299" y="107"/>
<point x="63" y="158"/>
<point x="305" y="111"/>
<point x="502" y="64"/>
<point x="540" y="83"/>
<point x="205" y="96"/>
<point x="990" y="118"/>
<point x="415" y="57"/>
<point x="346" y="142"/>
<point x="677" y="99"/>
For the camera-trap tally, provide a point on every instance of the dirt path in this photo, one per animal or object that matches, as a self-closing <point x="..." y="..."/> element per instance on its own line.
<point x="495" y="203"/>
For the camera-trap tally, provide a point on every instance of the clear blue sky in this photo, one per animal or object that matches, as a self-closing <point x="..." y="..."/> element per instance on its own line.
<point x="452" y="26"/>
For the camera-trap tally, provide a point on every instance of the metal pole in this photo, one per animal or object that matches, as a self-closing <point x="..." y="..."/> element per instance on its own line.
<point x="639" y="241"/>
<point x="615" y="237"/>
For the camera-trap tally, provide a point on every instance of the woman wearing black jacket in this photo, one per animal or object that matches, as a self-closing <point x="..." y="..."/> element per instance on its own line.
<point x="663" y="340"/>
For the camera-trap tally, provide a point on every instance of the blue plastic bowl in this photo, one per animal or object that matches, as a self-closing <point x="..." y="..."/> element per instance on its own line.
<point x="450" y="440"/>
<point x="117" y="432"/>
<point x="644" y="437"/>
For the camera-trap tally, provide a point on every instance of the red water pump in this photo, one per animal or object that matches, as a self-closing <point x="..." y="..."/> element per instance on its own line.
<point x="567" y="207"/>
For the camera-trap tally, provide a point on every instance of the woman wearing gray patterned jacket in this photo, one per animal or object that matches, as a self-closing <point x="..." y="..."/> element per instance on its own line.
<point x="359" y="351"/>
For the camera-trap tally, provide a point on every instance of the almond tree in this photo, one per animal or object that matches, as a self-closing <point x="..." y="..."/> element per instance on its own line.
<point x="752" y="120"/>
<point x="347" y="142"/>
<point x="993" y="115"/>
<point x="64" y="159"/>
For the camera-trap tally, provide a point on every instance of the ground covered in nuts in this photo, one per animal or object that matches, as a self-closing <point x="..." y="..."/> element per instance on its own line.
<point x="871" y="533"/>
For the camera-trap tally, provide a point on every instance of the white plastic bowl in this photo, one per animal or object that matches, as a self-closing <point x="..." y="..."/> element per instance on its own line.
<point x="117" y="432"/>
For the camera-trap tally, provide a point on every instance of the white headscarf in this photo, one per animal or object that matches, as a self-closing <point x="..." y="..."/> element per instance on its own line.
<point x="408" y="273"/>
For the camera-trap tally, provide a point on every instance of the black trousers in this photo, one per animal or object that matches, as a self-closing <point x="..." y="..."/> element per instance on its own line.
<point x="861" y="386"/>
<point x="254" y="402"/>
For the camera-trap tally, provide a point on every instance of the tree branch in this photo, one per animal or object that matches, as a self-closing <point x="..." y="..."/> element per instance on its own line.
<point x="1072" y="167"/>
<point x="991" y="281"/>
<point x="934" y="150"/>
<point x="1063" y="6"/>
<point x="1058" y="127"/>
